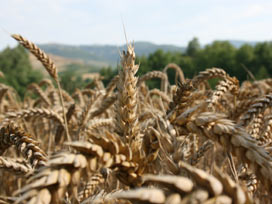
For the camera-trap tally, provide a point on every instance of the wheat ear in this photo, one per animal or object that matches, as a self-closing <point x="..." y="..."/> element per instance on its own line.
<point x="49" y="66"/>
<point x="127" y="116"/>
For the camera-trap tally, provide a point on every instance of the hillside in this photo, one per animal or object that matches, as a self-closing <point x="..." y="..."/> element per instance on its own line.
<point x="102" y="54"/>
<point x="61" y="62"/>
<point x="65" y="63"/>
<point x="90" y="57"/>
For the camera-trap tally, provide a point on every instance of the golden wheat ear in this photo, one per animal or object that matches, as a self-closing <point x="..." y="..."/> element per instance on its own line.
<point x="41" y="56"/>
<point x="127" y="125"/>
<point x="49" y="66"/>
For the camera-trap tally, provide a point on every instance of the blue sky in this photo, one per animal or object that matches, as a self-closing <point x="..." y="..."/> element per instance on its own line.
<point x="159" y="21"/>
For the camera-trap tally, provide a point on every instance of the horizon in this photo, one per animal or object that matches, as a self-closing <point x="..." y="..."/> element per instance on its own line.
<point x="141" y="41"/>
<point x="83" y="22"/>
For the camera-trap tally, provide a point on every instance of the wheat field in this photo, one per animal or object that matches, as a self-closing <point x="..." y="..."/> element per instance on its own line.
<point x="126" y="143"/>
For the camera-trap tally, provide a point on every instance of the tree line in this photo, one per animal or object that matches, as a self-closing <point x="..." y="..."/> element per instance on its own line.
<point x="246" y="62"/>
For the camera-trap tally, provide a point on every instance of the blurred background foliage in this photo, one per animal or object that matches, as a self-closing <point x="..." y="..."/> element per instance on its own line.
<point x="15" y="65"/>
<point x="239" y="62"/>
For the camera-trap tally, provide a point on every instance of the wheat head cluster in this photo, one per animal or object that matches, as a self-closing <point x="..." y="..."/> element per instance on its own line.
<point x="126" y="143"/>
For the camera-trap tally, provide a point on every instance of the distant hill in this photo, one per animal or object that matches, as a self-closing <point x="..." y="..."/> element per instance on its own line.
<point x="60" y="62"/>
<point x="98" y="56"/>
<point x="103" y="54"/>
<point x="79" y="66"/>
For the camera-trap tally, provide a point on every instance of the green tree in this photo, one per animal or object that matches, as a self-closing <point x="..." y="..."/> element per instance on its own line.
<point x="244" y="59"/>
<point x="15" y="64"/>
<point x="155" y="61"/>
<point x="193" y="47"/>
<point x="219" y="54"/>
<point x="187" y="65"/>
<point x="263" y="56"/>
<point x="222" y="54"/>
<point x="245" y="55"/>
<point x="262" y="73"/>
<point x="158" y="60"/>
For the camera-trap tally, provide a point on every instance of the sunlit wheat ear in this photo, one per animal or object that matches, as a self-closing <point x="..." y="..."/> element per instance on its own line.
<point x="49" y="66"/>
<point x="41" y="56"/>
<point x="127" y="106"/>
<point x="229" y="84"/>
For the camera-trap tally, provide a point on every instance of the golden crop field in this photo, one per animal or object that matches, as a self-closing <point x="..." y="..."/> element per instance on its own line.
<point x="125" y="143"/>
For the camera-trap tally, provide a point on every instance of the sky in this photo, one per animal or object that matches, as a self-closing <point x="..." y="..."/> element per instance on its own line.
<point x="159" y="21"/>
